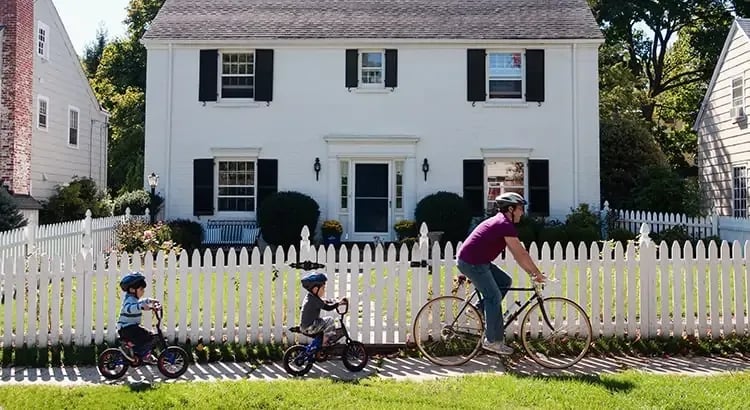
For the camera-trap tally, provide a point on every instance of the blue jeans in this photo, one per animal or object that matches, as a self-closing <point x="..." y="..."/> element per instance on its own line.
<point x="489" y="281"/>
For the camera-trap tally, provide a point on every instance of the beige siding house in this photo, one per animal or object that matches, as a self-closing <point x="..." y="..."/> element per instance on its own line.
<point x="722" y="127"/>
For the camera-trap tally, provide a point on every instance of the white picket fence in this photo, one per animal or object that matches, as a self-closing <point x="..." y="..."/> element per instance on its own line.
<point x="239" y="296"/>
<point x="64" y="238"/>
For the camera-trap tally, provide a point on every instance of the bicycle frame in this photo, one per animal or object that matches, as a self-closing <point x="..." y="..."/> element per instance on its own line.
<point x="536" y="297"/>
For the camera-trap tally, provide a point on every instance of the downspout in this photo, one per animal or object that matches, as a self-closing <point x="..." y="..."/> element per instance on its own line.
<point x="91" y="146"/>
<point x="167" y="189"/>
<point x="574" y="121"/>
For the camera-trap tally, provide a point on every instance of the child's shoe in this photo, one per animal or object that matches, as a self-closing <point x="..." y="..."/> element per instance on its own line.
<point x="149" y="359"/>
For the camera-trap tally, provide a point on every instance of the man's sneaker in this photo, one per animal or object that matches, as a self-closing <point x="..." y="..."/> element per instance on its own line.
<point x="497" y="347"/>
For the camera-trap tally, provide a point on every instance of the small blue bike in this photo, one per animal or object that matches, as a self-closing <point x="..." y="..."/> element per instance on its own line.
<point x="299" y="358"/>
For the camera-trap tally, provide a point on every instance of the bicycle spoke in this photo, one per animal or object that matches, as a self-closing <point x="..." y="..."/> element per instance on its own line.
<point x="448" y="331"/>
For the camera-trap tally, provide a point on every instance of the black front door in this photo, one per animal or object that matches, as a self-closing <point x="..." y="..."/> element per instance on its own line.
<point x="371" y="198"/>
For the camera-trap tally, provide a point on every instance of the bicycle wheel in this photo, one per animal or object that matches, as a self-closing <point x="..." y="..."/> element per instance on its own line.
<point x="112" y="364"/>
<point x="556" y="332"/>
<point x="443" y="337"/>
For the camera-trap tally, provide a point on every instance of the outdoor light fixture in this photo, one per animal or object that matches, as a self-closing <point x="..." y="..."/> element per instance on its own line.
<point x="153" y="181"/>
<point x="425" y="168"/>
<point x="316" y="167"/>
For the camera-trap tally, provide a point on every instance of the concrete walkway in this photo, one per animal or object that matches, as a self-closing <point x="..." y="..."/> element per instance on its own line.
<point x="390" y="368"/>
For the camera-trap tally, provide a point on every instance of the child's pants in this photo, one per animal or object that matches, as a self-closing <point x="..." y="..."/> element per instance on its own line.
<point x="140" y="337"/>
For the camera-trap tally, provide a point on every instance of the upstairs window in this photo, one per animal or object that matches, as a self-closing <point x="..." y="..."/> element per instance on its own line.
<point x="237" y="75"/>
<point x="371" y="68"/>
<point x="73" y="115"/>
<point x="42" y="112"/>
<point x="42" y="41"/>
<point x="505" y="75"/>
<point x="738" y="109"/>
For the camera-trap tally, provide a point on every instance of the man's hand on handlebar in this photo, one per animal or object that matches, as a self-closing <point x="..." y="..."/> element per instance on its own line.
<point x="344" y="301"/>
<point x="539" y="278"/>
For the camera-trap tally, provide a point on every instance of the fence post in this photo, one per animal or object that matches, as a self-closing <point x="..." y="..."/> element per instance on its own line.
<point x="86" y="240"/>
<point x="29" y="232"/>
<point x="715" y="222"/>
<point x="304" y="245"/>
<point x="647" y="270"/>
<point x="127" y="214"/>
<point x="604" y="220"/>
<point x="147" y="215"/>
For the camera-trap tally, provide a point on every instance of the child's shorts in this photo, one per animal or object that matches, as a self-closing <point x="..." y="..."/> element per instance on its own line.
<point x="321" y="324"/>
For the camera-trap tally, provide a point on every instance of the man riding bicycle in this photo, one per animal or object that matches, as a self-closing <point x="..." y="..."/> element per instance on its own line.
<point x="475" y="257"/>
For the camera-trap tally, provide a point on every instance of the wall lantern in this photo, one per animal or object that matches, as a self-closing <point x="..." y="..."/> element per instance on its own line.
<point x="425" y="168"/>
<point x="316" y="167"/>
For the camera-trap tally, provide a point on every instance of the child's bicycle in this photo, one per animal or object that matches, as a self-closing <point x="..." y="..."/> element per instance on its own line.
<point x="555" y="331"/>
<point x="172" y="361"/>
<point x="299" y="358"/>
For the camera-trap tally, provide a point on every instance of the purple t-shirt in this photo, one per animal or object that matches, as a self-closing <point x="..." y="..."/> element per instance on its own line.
<point x="487" y="240"/>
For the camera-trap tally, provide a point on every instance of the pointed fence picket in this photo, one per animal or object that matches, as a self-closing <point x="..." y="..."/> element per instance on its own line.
<point x="641" y="289"/>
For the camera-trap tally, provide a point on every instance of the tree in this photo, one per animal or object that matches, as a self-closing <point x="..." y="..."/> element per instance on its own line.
<point x="92" y="54"/>
<point x="10" y="217"/>
<point x="707" y="22"/>
<point x="120" y="83"/>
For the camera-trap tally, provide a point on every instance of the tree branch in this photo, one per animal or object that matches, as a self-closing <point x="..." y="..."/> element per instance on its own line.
<point x="681" y="75"/>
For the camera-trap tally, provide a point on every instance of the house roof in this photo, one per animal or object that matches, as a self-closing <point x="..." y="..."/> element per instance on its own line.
<point x="26" y="202"/>
<point x="741" y="24"/>
<point x="360" y="19"/>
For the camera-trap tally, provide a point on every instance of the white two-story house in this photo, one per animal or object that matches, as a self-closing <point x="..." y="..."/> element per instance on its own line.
<point x="370" y="106"/>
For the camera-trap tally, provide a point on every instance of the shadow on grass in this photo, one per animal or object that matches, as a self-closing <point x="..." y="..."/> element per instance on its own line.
<point x="613" y="386"/>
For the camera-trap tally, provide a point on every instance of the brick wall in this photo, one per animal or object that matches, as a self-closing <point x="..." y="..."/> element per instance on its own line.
<point x="16" y="103"/>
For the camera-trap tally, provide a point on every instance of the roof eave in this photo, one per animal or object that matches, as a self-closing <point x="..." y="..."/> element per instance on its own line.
<point x="715" y="75"/>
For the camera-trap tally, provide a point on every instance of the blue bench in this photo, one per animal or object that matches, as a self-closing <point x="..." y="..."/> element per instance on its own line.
<point x="230" y="232"/>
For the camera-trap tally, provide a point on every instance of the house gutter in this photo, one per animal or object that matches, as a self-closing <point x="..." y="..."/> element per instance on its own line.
<point x="574" y="114"/>
<point x="167" y="189"/>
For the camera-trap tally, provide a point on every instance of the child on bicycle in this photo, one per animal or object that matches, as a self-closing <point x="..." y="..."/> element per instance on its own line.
<point x="129" y="324"/>
<point x="475" y="257"/>
<point x="311" y="323"/>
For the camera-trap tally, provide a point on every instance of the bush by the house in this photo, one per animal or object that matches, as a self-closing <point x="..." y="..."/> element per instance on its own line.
<point x="71" y="201"/>
<point x="139" y="235"/>
<point x="582" y="225"/>
<point x="621" y="235"/>
<point x="186" y="233"/>
<point x="331" y="227"/>
<point x="660" y="189"/>
<point x="10" y="217"/>
<point x="406" y="229"/>
<point x="447" y="212"/>
<point x="282" y="215"/>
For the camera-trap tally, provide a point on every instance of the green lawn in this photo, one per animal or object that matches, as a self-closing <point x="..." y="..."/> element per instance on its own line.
<point x="622" y="391"/>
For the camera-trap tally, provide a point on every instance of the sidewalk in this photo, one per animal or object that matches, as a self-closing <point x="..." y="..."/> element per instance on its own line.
<point x="397" y="369"/>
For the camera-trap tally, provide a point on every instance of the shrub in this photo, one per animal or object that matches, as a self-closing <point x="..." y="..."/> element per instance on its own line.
<point x="582" y="225"/>
<point x="406" y="229"/>
<point x="71" y="201"/>
<point x="446" y="212"/>
<point x="660" y="189"/>
<point x="186" y="233"/>
<point x="622" y="235"/>
<point x="529" y="229"/>
<point x="552" y="233"/>
<point x="283" y="214"/>
<point x="331" y="227"/>
<point x="10" y="217"/>
<point x="677" y="233"/>
<point x="138" y="201"/>
<point x="139" y="235"/>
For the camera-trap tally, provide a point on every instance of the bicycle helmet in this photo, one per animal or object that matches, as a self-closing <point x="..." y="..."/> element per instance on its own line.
<point x="313" y="279"/>
<point x="134" y="280"/>
<point x="509" y="199"/>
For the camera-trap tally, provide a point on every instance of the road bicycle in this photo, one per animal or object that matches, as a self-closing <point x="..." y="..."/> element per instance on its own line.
<point x="555" y="331"/>
<point x="172" y="361"/>
<point x="299" y="358"/>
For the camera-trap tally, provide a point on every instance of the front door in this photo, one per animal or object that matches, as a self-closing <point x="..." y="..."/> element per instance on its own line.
<point x="371" y="199"/>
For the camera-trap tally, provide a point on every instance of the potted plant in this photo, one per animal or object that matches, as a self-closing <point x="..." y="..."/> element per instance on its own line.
<point x="332" y="231"/>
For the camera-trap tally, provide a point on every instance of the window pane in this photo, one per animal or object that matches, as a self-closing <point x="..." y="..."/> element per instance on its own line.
<point x="505" y="65"/>
<point x="505" y="89"/>
<point x="504" y="176"/>
<point x="370" y="76"/>
<point x="236" y="191"/>
<point x="372" y="60"/>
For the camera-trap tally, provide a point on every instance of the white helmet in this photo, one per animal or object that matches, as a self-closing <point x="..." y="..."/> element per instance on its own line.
<point x="509" y="199"/>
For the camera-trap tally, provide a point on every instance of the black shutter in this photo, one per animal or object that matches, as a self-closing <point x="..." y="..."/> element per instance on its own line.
<point x="535" y="75"/>
<point x="209" y="75"/>
<point x="263" y="75"/>
<point x="352" y="67"/>
<point x="391" y="68"/>
<point x="268" y="179"/>
<point x="476" y="71"/>
<point x="203" y="187"/>
<point x="474" y="185"/>
<point x="539" y="187"/>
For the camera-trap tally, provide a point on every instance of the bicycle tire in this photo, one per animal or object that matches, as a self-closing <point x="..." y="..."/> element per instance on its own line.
<point x="585" y="324"/>
<point x="423" y="315"/>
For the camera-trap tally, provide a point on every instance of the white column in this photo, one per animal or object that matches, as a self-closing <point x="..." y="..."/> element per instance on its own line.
<point x="410" y="187"/>
<point x="333" y="204"/>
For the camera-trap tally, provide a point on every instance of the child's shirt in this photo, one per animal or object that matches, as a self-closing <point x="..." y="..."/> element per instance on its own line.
<point x="311" y="307"/>
<point x="131" y="310"/>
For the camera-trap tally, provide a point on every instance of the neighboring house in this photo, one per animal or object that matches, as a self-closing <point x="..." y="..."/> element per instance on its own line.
<point x="369" y="107"/>
<point x="52" y="126"/>
<point x="722" y="126"/>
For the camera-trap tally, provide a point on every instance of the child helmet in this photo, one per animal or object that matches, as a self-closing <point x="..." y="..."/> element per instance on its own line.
<point x="314" y="279"/>
<point x="134" y="280"/>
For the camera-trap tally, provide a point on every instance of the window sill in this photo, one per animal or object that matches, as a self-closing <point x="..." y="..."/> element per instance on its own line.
<point x="505" y="104"/>
<point x="371" y="90"/>
<point x="238" y="104"/>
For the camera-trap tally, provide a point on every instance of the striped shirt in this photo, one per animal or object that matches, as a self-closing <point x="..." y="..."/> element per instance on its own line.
<point x="131" y="310"/>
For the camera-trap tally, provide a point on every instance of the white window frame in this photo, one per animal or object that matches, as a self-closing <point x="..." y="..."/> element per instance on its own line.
<point x="39" y="99"/>
<point x="488" y="78"/>
<point x="739" y="213"/>
<point x="360" y="68"/>
<point x="43" y="44"/>
<point x="236" y="214"/>
<point x="72" y="109"/>
<point x="222" y="75"/>
<point x="738" y="103"/>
